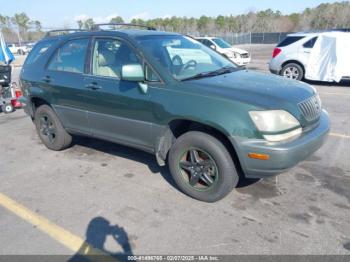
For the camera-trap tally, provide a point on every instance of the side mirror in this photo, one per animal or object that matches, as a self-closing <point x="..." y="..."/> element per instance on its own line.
<point x="133" y="72"/>
<point x="213" y="47"/>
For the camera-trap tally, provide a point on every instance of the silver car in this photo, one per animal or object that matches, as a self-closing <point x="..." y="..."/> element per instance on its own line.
<point x="291" y="56"/>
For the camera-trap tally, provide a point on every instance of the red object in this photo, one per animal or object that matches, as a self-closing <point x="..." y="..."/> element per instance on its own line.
<point x="15" y="103"/>
<point x="276" y="52"/>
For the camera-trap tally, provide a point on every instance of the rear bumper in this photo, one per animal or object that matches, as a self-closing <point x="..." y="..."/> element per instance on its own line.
<point x="275" y="66"/>
<point x="282" y="155"/>
<point x="26" y="105"/>
<point x="274" y="71"/>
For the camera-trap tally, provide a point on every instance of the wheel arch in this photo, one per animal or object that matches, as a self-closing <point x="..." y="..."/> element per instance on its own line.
<point x="178" y="127"/>
<point x="36" y="102"/>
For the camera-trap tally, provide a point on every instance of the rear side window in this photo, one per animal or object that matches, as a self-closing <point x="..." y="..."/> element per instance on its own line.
<point x="38" y="50"/>
<point x="70" y="57"/>
<point x="207" y="42"/>
<point x="310" y="43"/>
<point x="289" y="40"/>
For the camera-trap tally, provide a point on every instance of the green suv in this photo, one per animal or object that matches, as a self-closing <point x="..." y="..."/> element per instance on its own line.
<point x="169" y="95"/>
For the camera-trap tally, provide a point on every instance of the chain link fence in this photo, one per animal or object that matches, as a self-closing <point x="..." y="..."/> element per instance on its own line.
<point x="253" y="38"/>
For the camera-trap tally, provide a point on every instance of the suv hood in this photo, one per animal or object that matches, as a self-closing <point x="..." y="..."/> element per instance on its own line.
<point x="236" y="50"/>
<point x="262" y="90"/>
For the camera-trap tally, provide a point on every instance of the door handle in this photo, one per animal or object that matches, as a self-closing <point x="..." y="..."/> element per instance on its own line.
<point x="93" y="86"/>
<point x="46" y="79"/>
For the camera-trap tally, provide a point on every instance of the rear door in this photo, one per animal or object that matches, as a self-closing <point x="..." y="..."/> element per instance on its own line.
<point x="64" y="79"/>
<point x="118" y="111"/>
<point x="305" y="50"/>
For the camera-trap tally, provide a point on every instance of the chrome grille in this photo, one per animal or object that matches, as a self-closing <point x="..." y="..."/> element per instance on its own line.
<point x="245" y="55"/>
<point x="311" y="108"/>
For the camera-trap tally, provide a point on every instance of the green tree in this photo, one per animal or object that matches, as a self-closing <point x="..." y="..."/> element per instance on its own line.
<point x="220" y="22"/>
<point x="37" y="25"/>
<point x="22" y="21"/>
<point x="89" y="24"/>
<point x="80" y="24"/>
<point x="203" y="22"/>
<point x="117" y="19"/>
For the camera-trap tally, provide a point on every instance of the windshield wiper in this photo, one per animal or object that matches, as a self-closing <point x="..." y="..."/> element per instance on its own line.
<point x="221" y="71"/>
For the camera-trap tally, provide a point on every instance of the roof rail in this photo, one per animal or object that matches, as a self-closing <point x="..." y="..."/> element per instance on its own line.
<point x="98" y="26"/>
<point x="341" y="29"/>
<point x="62" y="32"/>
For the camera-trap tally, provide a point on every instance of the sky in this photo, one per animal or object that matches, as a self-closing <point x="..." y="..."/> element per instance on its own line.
<point x="59" y="13"/>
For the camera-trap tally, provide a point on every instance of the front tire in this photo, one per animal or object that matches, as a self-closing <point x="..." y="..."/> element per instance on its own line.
<point x="202" y="167"/>
<point x="293" y="71"/>
<point x="50" y="130"/>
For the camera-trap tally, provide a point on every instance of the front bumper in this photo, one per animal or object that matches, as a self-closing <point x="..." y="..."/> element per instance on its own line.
<point x="241" y="61"/>
<point x="282" y="155"/>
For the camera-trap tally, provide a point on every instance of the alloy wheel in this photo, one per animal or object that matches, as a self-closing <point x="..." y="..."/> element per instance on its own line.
<point x="47" y="129"/>
<point x="291" y="72"/>
<point x="198" y="169"/>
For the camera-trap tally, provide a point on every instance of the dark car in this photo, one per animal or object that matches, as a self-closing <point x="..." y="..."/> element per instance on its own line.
<point x="169" y="95"/>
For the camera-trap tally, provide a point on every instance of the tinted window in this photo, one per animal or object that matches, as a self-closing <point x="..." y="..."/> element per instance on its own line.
<point x="310" y="43"/>
<point x="39" y="49"/>
<point x="110" y="55"/>
<point x="70" y="57"/>
<point x="289" y="40"/>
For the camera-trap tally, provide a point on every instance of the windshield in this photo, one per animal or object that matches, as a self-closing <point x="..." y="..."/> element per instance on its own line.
<point x="182" y="56"/>
<point x="221" y="43"/>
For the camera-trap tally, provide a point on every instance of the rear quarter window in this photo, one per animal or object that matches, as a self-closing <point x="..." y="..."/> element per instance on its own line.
<point x="289" y="40"/>
<point x="38" y="50"/>
<point x="70" y="57"/>
<point x="310" y="43"/>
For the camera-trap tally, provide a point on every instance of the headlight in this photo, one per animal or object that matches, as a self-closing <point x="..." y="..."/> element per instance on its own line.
<point x="276" y="121"/>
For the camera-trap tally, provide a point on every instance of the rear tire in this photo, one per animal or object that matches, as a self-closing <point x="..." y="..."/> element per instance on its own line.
<point x="7" y="108"/>
<point x="50" y="130"/>
<point x="293" y="71"/>
<point x="210" y="151"/>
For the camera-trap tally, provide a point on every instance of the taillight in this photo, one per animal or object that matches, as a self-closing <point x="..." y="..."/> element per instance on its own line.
<point x="276" y="52"/>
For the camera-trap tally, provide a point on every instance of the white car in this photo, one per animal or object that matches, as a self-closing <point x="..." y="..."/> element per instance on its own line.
<point x="292" y="57"/>
<point x="18" y="49"/>
<point x="236" y="55"/>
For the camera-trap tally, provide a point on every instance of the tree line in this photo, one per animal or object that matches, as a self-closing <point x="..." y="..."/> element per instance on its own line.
<point x="324" y="16"/>
<point x="20" y="28"/>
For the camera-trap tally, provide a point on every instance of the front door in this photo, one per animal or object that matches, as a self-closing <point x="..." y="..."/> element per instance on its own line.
<point x="117" y="110"/>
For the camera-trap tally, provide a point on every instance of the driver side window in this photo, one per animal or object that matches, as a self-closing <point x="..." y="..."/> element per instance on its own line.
<point x="110" y="55"/>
